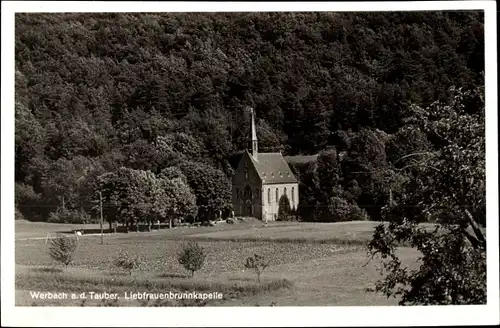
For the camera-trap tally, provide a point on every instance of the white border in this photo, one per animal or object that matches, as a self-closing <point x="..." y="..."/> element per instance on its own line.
<point x="244" y="316"/>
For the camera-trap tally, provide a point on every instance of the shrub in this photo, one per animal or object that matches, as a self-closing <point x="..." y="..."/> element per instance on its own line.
<point x="256" y="263"/>
<point x="191" y="257"/>
<point x="64" y="215"/>
<point x="18" y="215"/>
<point x="62" y="249"/>
<point x="357" y="213"/>
<point x="29" y="203"/>
<point x="339" y="209"/>
<point x="127" y="261"/>
<point x="284" y="210"/>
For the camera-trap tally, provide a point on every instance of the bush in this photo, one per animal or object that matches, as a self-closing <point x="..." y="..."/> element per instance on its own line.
<point x="127" y="261"/>
<point x="29" y="203"/>
<point x="256" y="263"/>
<point x="191" y="257"/>
<point x="62" y="249"/>
<point x="357" y="213"/>
<point x="18" y="215"/>
<point x="64" y="215"/>
<point x="284" y="210"/>
<point x="339" y="210"/>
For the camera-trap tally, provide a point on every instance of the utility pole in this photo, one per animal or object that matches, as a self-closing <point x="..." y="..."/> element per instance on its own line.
<point x="100" y="206"/>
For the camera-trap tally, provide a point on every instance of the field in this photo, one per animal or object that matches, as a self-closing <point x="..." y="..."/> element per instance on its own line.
<point x="310" y="264"/>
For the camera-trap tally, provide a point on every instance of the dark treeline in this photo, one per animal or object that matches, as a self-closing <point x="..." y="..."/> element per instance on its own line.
<point x="166" y="93"/>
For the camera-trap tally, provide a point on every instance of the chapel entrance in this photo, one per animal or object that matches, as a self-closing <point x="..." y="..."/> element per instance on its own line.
<point x="248" y="200"/>
<point x="249" y="210"/>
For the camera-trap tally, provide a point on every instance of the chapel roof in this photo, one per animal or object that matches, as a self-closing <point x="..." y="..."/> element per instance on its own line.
<point x="273" y="168"/>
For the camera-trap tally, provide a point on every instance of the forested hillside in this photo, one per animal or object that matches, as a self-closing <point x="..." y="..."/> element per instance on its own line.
<point x="101" y="99"/>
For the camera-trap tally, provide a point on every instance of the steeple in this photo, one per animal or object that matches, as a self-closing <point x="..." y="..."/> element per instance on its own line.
<point x="255" y="149"/>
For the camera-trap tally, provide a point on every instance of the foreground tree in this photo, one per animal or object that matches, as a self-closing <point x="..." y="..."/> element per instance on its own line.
<point x="257" y="263"/>
<point x="191" y="257"/>
<point x="127" y="261"/>
<point x="447" y="186"/>
<point x="62" y="249"/>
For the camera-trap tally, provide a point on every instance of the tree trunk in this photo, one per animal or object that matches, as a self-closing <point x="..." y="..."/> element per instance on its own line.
<point x="477" y="231"/>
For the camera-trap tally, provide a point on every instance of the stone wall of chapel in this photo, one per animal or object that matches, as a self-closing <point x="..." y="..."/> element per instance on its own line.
<point x="244" y="177"/>
<point x="272" y="193"/>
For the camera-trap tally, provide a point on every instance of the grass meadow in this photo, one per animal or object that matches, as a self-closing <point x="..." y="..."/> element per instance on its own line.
<point x="310" y="264"/>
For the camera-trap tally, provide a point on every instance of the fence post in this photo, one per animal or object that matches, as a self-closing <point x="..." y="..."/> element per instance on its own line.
<point x="100" y="206"/>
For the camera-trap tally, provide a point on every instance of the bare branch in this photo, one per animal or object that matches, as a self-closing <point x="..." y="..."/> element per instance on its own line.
<point x="475" y="227"/>
<point x="473" y="240"/>
<point x="414" y="154"/>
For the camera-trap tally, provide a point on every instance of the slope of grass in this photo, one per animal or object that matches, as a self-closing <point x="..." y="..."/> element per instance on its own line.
<point x="27" y="229"/>
<point x="75" y="280"/>
<point x="160" y="256"/>
<point x="349" y="233"/>
<point x="325" y="262"/>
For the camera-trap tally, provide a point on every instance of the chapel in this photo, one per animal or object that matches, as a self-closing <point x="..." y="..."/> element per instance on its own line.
<point x="260" y="180"/>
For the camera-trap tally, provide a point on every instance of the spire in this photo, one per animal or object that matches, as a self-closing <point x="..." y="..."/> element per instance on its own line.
<point x="254" y="136"/>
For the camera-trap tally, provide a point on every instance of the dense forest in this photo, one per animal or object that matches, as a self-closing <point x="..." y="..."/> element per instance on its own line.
<point x="149" y="108"/>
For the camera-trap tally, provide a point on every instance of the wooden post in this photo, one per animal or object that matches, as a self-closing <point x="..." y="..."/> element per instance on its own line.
<point x="100" y="206"/>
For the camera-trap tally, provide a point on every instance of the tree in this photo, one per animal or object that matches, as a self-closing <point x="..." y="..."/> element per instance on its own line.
<point x="85" y="90"/>
<point x="184" y="144"/>
<point x="71" y="179"/>
<point x="191" y="257"/>
<point x="365" y="165"/>
<point x="178" y="199"/>
<point x="257" y="263"/>
<point x="30" y="138"/>
<point x="269" y="141"/>
<point x="62" y="249"/>
<point x="172" y="172"/>
<point x="284" y="209"/>
<point x="127" y="262"/>
<point x="131" y="195"/>
<point x="450" y="190"/>
<point x="210" y="186"/>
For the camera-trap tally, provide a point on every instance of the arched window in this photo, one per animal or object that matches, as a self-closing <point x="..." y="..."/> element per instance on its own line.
<point x="277" y="196"/>
<point x="269" y="195"/>
<point x="246" y="174"/>
<point x="293" y="195"/>
<point x="284" y="191"/>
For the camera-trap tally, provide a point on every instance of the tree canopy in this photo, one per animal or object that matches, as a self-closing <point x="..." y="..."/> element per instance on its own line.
<point x="96" y="92"/>
<point x="446" y="185"/>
